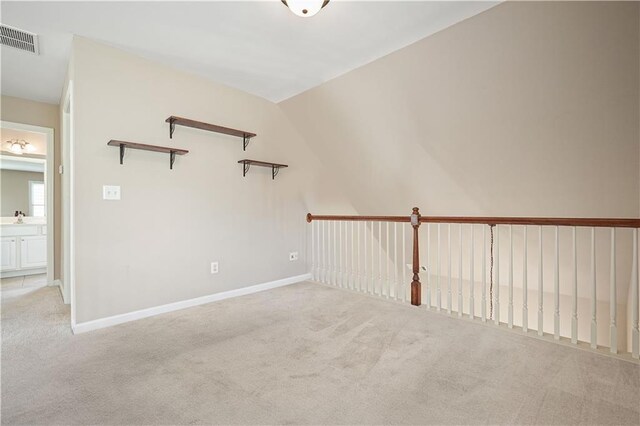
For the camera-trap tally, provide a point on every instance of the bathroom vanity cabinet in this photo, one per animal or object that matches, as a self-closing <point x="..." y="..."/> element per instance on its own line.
<point x="23" y="249"/>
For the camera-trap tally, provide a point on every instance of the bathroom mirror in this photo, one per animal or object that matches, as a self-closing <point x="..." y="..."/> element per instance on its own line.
<point x="22" y="185"/>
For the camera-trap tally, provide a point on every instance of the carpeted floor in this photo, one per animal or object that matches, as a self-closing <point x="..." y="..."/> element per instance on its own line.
<point x="299" y="354"/>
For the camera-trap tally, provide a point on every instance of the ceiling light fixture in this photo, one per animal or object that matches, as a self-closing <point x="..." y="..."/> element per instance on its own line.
<point x="305" y="8"/>
<point x="20" y="146"/>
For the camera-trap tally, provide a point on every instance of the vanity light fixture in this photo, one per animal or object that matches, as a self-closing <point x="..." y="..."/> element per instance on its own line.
<point x="305" y="8"/>
<point x="20" y="146"/>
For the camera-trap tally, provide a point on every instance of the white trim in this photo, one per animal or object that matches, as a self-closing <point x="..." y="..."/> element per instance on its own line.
<point x="49" y="179"/>
<point x="162" y="309"/>
<point x="68" y="246"/>
<point x="25" y="273"/>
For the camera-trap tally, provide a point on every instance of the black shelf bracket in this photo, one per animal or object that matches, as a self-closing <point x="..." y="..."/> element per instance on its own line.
<point x="172" y="127"/>
<point x="172" y="159"/>
<point x="121" y="154"/>
<point x="245" y="169"/>
<point x="245" y="141"/>
<point x="274" y="171"/>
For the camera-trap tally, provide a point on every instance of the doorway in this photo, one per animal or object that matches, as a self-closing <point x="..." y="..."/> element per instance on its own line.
<point x="27" y="208"/>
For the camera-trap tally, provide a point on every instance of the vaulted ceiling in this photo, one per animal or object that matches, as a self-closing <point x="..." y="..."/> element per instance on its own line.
<point x="256" y="46"/>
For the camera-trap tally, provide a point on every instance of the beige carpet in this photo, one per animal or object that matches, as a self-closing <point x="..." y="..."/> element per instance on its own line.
<point x="299" y="354"/>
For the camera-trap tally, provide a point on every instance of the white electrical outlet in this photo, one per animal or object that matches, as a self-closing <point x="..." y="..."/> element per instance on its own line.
<point x="110" y="192"/>
<point x="214" y="267"/>
<point x="293" y="256"/>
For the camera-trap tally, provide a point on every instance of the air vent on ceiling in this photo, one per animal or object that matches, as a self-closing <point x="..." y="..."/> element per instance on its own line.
<point x="19" y="39"/>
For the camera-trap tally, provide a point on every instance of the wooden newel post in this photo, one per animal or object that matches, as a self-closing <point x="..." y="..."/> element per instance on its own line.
<point x="416" y="287"/>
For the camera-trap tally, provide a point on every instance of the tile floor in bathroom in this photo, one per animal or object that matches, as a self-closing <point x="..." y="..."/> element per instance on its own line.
<point x="24" y="282"/>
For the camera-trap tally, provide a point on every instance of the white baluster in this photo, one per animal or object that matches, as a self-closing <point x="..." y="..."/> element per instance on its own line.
<point x="388" y="255"/>
<point x="346" y="267"/>
<point x="313" y="258"/>
<point x="330" y="250"/>
<point x="510" y="307"/>
<point x="339" y="254"/>
<point x="556" y="282"/>
<point x="574" y="312"/>
<point x="404" y="264"/>
<point x="496" y="289"/>
<point x="365" y="273"/>
<point x="428" y="280"/>
<point x="348" y="271"/>
<point x="335" y="253"/>
<point x="594" y="297"/>
<point x="525" y="289"/>
<point x="324" y="255"/>
<point x="345" y="256"/>
<point x="395" y="260"/>
<point x="438" y="293"/>
<point x="319" y="249"/>
<point x="353" y="255"/>
<point x="372" y="290"/>
<point x="449" y="269"/>
<point x="328" y="253"/>
<point x="460" y="272"/>
<point x="472" y="307"/>
<point x="635" y="331"/>
<point x="358" y="272"/>
<point x="484" y="274"/>
<point x="613" y="297"/>
<point x="380" y="259"/>
<point x="540" y="286"/>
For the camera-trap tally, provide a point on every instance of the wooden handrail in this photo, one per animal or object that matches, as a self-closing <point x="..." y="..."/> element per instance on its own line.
<point x="543" y="221"/>
<point x="311" y="217"/>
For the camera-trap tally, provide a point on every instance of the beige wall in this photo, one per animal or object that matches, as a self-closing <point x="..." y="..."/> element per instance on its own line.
<point x="15" y="191"/>
<point x="155" y="245"/>
<point x="23" y="111"/>
<point x="528" y="109"/>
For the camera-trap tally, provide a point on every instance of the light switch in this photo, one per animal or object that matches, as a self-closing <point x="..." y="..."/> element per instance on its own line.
<point x="110" y="192"/>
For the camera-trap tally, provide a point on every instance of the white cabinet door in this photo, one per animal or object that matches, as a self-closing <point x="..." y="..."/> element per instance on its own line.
<point x="8" y="253"/>
<point x="33" y="252"/>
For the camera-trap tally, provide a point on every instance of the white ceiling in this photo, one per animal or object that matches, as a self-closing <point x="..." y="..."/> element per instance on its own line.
<point x="259" y="47"/>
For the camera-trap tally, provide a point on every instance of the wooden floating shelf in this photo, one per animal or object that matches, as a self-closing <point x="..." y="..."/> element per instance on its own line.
<point x="180" y="121"/>
<point x="133" y="145"/>
<point x="275" y="167"/>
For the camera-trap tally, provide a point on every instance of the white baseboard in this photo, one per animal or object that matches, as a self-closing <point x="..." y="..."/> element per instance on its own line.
<point x="83" y="327"/>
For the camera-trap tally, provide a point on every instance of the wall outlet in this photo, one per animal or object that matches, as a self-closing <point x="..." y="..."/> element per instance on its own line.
<point x="293" y="256"/>
<point x="214" y="267"/>
<point x="110" y="192"/>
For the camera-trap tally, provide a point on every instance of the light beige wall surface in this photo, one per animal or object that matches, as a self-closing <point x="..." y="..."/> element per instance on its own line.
<point x="15" y="191"/>
<point x="155" y="245"/>
<point x="526" y="109"/>
<point x="24" y="111"/>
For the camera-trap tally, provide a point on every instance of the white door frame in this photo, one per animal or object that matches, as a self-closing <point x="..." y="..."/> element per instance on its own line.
<point x="49" y="177"/>
<point x="68" y="233"/>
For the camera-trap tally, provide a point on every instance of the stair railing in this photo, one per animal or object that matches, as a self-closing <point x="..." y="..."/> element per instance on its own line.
<point x="369" y="254"/>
